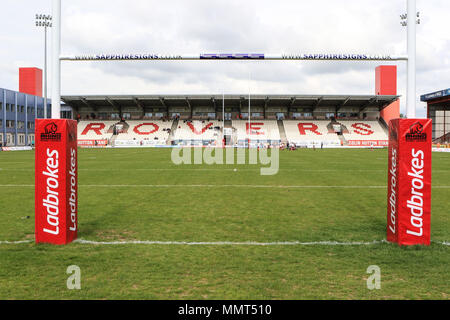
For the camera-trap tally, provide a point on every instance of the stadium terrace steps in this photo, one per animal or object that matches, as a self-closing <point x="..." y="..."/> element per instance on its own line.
<point x="282" y="131"/>
<point x="173" y="129"/>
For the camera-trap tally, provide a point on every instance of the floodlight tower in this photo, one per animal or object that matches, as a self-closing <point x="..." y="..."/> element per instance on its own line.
<point x="45" y="21"/>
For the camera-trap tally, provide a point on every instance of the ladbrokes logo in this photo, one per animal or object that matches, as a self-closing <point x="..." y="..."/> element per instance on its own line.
<point x="415" y="133"/>
<point x="50" y="133"/>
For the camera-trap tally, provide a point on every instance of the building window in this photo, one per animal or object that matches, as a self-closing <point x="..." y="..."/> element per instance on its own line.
<point x="20" y="124"/>
<point x="1" y="106"/>
<point x="126" y="115"/>
<point x="1" y="123"/>
<point x="68" y="115"/>
<point x="10" y="139"/>
<point x="30" y="125"/>
<point x="148" y="114"/>
<point x="115" y="116"/>
<point x="10" y="123"/>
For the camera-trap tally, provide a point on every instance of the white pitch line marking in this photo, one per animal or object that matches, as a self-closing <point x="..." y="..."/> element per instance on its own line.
<point x="226" y="243"/>
<point x="230" y="243"/>
<point x="217" y="186"/>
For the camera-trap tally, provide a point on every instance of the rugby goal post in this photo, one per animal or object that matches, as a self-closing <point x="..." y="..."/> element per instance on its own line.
<point x="403" y="182"/>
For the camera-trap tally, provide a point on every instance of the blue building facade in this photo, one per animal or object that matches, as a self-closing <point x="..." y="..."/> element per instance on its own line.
<point x="18" y="112"/>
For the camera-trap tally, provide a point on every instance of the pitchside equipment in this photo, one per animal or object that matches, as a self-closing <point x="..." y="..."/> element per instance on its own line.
<point x="56" y="196"/>
<point x="401" y="146"/>
<point x="409" y="181"/>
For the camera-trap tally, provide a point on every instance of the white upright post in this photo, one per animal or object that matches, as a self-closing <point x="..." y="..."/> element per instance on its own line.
<point x="45" y="72"/>
<point x="411" y="73"/>
<point x="56" y="63"/>
<point x="249" y="123"/>
<point x="223" y="118"/>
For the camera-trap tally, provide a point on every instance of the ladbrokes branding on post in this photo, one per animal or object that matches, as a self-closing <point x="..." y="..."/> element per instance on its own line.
<point x="56" y="181"/>
<point x="409" y="191"/>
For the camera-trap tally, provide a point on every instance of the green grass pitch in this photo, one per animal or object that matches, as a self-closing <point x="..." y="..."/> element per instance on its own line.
<point x="204" y="203"/>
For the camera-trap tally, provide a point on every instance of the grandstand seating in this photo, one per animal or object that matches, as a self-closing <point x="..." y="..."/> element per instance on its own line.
<point x="310" y="132"/>
<point x="153" y="131"/>
<point x="258" y="130"/>
<point x="95" y="130"/>
<point x="363" y="130"/>
<point x="299" y="132"/>
<point x="198" y="130"/>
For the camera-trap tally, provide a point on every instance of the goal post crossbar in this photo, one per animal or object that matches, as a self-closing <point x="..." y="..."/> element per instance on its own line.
<point x="234" y="56"/>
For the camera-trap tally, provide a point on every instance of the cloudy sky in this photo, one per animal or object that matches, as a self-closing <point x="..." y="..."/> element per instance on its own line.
<point x="210" y="26"/>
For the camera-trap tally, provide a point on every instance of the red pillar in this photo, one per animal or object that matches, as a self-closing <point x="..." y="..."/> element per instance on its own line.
<point x="386" y="84"/>
<point x="30" y="81"/>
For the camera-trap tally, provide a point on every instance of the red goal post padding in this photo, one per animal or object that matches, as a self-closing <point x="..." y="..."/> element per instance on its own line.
<point x="409" y="181"/>
<point x="56" y="181"/>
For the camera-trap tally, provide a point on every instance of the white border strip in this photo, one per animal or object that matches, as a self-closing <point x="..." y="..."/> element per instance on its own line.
<point x="230" y="243"/>
<point x="216" y="186"/>
<point x="225" y="243"/>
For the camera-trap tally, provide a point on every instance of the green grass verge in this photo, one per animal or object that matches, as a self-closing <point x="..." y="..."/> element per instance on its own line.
<point x="235" y="214"/>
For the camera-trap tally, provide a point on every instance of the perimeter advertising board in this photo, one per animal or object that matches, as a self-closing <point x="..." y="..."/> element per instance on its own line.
<point x="56" y="183"/>
<point x="409" y="181"/>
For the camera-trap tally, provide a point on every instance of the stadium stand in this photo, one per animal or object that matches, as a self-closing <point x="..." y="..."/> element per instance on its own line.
<point x="95" y="130"/>
<point x="264" y="131"/>
<point x="338" y="120"/>
<point x="144" y="132"/>
<point x="313" y="132"/>
<point x="363" y="130"/>
<point x="196" y="132"/>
